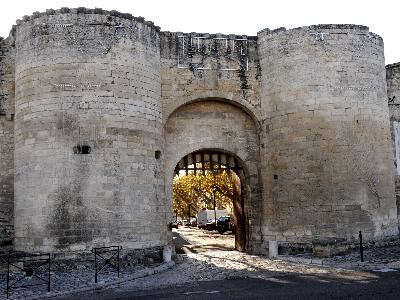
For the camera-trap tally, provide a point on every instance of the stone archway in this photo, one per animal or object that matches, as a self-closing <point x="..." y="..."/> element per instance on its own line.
<point x="215" y="161"/>
<point x="213" y="124"/>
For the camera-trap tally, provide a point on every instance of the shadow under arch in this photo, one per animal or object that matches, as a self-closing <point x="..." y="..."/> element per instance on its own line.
<point x="250" y="110"/>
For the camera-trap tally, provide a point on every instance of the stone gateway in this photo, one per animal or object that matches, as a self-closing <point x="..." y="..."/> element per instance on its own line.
<point x="98" y="107"/>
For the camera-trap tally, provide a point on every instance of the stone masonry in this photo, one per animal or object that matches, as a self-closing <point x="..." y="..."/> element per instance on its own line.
<point x="100" y="94"/>
<point x="7" y="141"/>
<point x="393" y="89"/>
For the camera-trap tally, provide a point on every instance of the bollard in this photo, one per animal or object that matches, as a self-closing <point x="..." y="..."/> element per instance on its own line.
<point x="167" y="253"/>
<point x="273" y="249"/>
<point x="361" y="247"/>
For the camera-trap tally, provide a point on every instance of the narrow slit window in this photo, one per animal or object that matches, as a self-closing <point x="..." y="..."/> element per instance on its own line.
<point x="82" y="149"/>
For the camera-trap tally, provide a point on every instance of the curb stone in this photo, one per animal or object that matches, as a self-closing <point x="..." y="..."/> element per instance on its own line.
<point x="101" y="286"/>
<point x="308" y="261"/>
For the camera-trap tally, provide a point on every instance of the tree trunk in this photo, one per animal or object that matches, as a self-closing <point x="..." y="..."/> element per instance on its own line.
<point x="238" y="213"/>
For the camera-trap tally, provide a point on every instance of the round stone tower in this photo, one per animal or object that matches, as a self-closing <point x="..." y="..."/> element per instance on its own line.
<point x="88" y="133"/>
<point x="328" y="160"/>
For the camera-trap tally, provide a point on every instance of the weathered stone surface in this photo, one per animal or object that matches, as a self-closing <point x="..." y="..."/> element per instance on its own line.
<point x="98" y="93"/>
<point x="328" y="170"/>
<point x="217" y="125"/>
<point x="393" y="90"/>
<point x="6" y="141"/>
<point x="87" y="80"/>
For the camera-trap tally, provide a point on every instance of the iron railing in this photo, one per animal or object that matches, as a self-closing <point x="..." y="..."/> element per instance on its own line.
<point x="28" y="264"/>
<point x="104" y="256"/>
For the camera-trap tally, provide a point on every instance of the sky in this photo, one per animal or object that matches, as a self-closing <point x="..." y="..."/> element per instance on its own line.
<point x="245" y="17"/>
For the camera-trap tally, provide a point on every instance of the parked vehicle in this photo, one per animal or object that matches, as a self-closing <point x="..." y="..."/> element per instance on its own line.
<point x="225" y="223"/>
<point x="174" y="224"/>
<point x="210" y="226"/>
<point x="193" y="222"/>
<point x="206" y="215"/>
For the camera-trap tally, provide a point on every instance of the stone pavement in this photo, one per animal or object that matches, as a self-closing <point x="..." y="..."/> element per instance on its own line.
<point x="210" y="257"/>
<point x="213" y="258"/>
<point x="196" y="240"/>
<point x="78" y="276"/>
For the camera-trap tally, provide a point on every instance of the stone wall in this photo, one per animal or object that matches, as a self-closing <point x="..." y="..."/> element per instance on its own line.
<point x="198" y="66"/>
<point x="328" y="157"/>
<point x="98" y="93"/>
<point x="221" y="126"/>
<point x="87" y="78"/>
<point x="6" y="140"/>
<point x="393" y="90"/>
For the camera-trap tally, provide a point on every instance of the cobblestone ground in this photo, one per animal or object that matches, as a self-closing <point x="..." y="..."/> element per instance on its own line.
<point x="64" y="276"/>
<point x="376" y="258"/>
<point x="197" y="240"/>
<point x="211" y="257"/>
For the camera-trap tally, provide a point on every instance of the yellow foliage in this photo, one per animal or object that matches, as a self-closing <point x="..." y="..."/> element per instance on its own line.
<point x="198" y="192"/>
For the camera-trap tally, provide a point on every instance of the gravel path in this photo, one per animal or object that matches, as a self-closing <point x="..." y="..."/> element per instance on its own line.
<point x="210" y="256"/>
<point x="220" y="265"/>
<point x="197" y="240"/>
<point x="376" y="258"/>
<point x="65" y="275"/>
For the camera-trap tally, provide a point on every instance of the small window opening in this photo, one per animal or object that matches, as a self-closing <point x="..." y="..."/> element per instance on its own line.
<point x="275" y="176"/>
<point x="157" y="154"/>
<point x="82" y="149"/>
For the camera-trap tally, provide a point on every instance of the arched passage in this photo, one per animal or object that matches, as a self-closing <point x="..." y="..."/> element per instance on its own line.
<point x="213" y="161"/>
<point x="224" y="127"/>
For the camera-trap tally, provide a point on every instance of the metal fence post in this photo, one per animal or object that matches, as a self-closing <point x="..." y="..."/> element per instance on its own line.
<point x="48" y="285"/>
<point x="8" y="275"/>
<point x="95" y="265"/>
<point x="361" y="247"/>
<point x="118" y="261"/>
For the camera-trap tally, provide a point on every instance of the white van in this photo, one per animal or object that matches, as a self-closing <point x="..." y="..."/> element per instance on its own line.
<point x="207" y="215"/>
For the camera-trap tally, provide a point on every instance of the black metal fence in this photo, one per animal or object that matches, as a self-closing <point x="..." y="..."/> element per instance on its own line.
<point x="106" y="257"/>
<point x="28" y="265"/>
<point x="361" y="247"/>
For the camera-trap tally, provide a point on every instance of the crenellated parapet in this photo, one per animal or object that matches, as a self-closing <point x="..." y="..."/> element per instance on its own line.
<point x="222" y="66"/>
<point x="86" y="12"/>
<point x="89" y="32"/>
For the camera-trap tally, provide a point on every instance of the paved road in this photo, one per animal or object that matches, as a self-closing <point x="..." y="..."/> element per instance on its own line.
<point x="211" y="270"/>
<point x="291" y="286"/>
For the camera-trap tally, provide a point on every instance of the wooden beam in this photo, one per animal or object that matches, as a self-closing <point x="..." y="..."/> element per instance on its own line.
<point x="185" y="159"/>
<point x="202" y="163"/>
<point x="194" y="163"/>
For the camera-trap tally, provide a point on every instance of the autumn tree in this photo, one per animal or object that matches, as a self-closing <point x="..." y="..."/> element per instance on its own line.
<point x="198" y="192"/>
